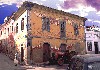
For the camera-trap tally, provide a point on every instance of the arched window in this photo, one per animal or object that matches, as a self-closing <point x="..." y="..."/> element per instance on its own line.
<point x="17" y="28"/>
<point x="22" y="24"/>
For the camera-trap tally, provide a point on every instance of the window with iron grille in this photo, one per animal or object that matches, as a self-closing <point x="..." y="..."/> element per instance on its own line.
<point x="17" y="28"/>
<point x="22" y="24"/>
<point x="62" y="29"/>
<point x="45" y="24"/>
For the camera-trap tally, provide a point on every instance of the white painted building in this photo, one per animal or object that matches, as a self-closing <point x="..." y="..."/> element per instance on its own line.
<point x="21" y="33"/>
<point x="13" y="34"/>
<point x="92" y="40"/>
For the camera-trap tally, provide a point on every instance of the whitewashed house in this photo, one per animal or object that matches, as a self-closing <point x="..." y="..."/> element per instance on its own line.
<point x="92" y="40"/>
<point x="13" y="34"/>
<point x="20" y="35"/>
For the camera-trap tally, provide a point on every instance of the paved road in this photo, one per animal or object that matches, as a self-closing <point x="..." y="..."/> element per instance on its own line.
<point x="7" y="64"/>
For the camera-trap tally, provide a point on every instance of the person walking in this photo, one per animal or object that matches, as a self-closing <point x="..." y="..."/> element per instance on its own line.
<point x="16" y="59"/>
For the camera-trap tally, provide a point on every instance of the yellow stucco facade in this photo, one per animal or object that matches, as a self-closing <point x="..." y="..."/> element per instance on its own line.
<point x="53" y="36"/>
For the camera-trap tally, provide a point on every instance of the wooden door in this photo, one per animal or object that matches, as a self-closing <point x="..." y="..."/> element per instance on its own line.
<point x="46" y="52"/>
<point x="22" y="54"/>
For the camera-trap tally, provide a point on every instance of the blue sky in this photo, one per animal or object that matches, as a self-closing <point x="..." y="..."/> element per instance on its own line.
<point x="6" y="10"/>
<point x="89" y="9"/>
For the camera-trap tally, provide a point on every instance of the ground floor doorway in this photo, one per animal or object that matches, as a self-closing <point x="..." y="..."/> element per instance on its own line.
<point x="46" y="52"/>
<point x="22" y="54"/>
<point x="96" y="47"/>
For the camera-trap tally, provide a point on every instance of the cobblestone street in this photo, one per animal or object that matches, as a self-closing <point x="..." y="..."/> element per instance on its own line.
<point x="7" y="64"/>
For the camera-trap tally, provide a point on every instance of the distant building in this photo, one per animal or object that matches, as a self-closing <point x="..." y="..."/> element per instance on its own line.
<point x="92" y="39"/>
<point x="36" y="31"/>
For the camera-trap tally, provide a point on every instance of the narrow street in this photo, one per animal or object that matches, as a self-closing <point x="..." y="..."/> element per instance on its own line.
<point x="7" y="64"/>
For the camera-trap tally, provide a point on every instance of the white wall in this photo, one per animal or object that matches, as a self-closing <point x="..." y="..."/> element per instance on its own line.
<point x="20" y="36"/>
<point x="5" y="32"/>
<point x="91" y="37"/>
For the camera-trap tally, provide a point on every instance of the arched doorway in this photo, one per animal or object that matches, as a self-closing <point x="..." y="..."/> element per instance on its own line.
<point x="46" y="52"/>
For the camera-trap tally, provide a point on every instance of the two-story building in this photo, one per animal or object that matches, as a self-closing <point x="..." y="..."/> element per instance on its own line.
<point x="40" y="31"/>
